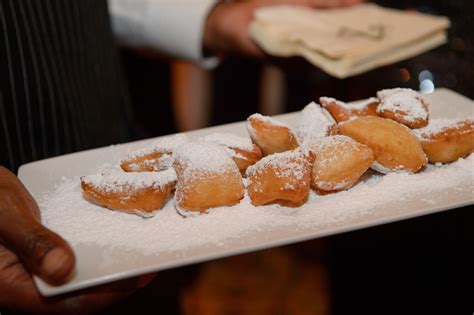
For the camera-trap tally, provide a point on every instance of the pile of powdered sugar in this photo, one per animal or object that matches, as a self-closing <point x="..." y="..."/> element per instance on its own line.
<point x="119" y="181"/>
<point x="165" y="146"/>
<point x="230" y="140"/>
<point x="204" y="156"/>
<point x="315" y="122"/>
<point x="162" y="145"/>
<point x="406" y="101"/>
<point x="80" y="222"/>
<point x="289" y="164"/>
<point x="356" y="105"/>
<point x="436" y="126"/>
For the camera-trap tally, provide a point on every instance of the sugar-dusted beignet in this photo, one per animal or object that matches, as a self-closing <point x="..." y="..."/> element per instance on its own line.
<point x="157" y="156"/>
<point x="315" y="122"/>
<point x="282" y="178"/>
<point x="445" y="140"/>
<point x="270" y="135"/>
<point x="394" y="145"/>
<point x="140" y="193"/>
<point x="342" y="111"/>
<point x="241" y="149"/>
<point x="405" y="106"/>
<point x="340" y="162"/>
<point x="207" y="178"/>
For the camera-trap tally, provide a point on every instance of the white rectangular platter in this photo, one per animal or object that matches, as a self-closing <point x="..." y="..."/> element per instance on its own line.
<point x="101" y="262"/>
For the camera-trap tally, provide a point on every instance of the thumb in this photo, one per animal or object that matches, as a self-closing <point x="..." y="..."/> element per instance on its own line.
<point x="41" y="251"/>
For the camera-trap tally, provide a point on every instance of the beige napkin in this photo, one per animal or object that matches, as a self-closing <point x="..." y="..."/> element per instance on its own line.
<point x="347" y="41"/>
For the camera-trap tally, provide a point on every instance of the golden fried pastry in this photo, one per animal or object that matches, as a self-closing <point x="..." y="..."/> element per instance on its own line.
<point x="241" y="149"/>
<point x="341" y="111"/>
<point x="339" y="163"/>
<point x="157" y="156"/>
<point x="270" y="135"/>
<point x="405" y="106"/>
<point x="315" y="122"/>
<point x="394" y="145"/>
<point x="207" y="178"/>
<point x="446" y="141"/>
<point x="282" y="178"/>
<point x="138" y="193"/>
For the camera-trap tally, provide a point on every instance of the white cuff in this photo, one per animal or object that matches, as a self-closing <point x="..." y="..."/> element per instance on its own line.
<point x="174" y="27"/>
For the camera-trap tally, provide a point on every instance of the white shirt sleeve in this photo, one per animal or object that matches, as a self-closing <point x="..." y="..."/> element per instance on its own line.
<point x="174" y="27"/>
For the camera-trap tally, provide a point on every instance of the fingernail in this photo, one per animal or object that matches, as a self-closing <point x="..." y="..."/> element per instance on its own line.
<point x="54" y="264"/>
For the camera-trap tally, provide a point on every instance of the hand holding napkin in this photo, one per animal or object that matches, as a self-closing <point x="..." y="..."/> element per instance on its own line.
<point x="347" y="41"/>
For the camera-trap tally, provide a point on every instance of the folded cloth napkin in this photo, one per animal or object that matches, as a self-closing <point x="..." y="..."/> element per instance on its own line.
<point x="347" y="41"/>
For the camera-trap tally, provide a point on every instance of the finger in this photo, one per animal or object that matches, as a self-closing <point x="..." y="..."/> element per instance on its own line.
<point x="249" y="48"/>
<point x="13" y="192"/>
<point x="18" y="292"/>
<point x="43" y="252"/>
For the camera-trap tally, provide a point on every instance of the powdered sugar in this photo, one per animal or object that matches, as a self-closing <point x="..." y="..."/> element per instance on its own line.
<point x="437" y="125"/>
<point x="404" y="101"/>
<point x="315" y="122"/>
<point x="360" y="104"/>
<point x="319" y="144"/>
<point x="79" y="222"/>
<point x="339" y="186"/>
<point x="162" y="163"/>
<point x="329" y="144"/>
<point x="186" y="213"/>
<point x="357" y="105"/>
<point x="289" y="163"/>
<point x="230" y="140"/>
<point x="266" y="119"/>
<point x="376" y="166"/>
<point x="162" y="145"/>
<point x="327" y="100"/>
<point x="204" y="156"/>
<point x="389" y="92"/>
<point x="118" y="181"/>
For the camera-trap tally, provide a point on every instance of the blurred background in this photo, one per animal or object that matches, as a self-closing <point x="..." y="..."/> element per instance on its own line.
<point x="416" y="266"/>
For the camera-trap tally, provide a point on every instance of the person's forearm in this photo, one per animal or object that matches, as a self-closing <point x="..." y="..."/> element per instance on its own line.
<point x="174" y="27"/>
<point x="187" y="28"/>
